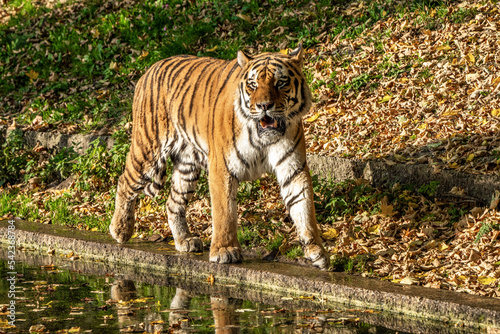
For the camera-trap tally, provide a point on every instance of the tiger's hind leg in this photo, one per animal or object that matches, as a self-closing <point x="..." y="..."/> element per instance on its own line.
<point x="185" y="176"/>
<point x="133" y="181"/>
<point x="129" y="185"/>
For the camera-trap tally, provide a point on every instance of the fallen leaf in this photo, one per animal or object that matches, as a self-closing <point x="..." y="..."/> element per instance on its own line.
<point x="212" y="49"/>
<point x="484" y="280"/>
<point x="386" y="98"/>
<point x="386" y="209"/>
<point x="245" y="17"/>
<point x="313" y="118"/>
<point x="330" y="234"/>
<point x="32" y="75"/>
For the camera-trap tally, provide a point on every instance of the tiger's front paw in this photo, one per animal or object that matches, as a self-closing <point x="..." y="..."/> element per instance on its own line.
<point x="122" y="227"/>
<point x="226" y="255"/>
<point x="191" y="244"/>
<point x="317" y="255"/>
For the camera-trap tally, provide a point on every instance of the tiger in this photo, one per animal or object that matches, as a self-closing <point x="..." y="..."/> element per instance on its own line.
<point x="236" y="119"/>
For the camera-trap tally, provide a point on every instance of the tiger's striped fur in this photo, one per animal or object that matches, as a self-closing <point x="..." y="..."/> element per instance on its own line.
<point x="236" y="119"/>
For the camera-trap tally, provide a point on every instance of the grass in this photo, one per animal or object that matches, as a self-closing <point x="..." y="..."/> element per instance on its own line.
<point x="73" y="74"/>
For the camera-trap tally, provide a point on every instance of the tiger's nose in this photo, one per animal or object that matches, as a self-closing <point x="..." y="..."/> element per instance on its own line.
<point x="264" y="105"/>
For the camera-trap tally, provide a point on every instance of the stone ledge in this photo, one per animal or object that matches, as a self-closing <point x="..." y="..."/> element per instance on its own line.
<point x="340" y="288"/>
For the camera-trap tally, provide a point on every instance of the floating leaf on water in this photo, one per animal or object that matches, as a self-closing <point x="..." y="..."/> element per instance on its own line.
<point x="211" y="279"/>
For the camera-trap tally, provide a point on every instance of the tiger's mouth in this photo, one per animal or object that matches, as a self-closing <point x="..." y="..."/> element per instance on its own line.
<point x="268" y="123"/>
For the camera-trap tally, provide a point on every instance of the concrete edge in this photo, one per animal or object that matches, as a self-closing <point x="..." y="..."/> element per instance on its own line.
<point x="396" y="322"/>
<point x="353" y="291"/>
<point x="478" y="188"/>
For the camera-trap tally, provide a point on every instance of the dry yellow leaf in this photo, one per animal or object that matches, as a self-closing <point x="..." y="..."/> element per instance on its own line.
<point x="245" y="17"/>
<point x="442" y="246"/>
<point x="470" y="58"/>
<point x="143" y="55"/>
<point x="470" y="157"/>
<point x="386" y="209"/>
<point x="313" y="118"/>
<point x="331" y="234"/>
<point x="32" y="75"/>
<point x="450" y="113"/>
<point x="444" y="48"/>
<point x="375" y="229"/>
<point x="113" y="66"/>
<point x="386" y="98"/>
<point x="284" y="51"/>
<point x="408" y="280"/>
<point x="484" y="280"/>
<point x="495" y="112"/>
<point x="212" y="49"/>
<point x="94" y="229"/>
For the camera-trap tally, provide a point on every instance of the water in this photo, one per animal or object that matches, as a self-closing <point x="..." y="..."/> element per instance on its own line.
<point x="53" y="294"/>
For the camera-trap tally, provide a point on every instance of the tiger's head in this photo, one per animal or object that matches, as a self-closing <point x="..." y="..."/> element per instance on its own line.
<point x="273" y="91"/>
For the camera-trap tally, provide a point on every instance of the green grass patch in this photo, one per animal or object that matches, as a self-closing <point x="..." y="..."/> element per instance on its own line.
<point x="83" y="72"/>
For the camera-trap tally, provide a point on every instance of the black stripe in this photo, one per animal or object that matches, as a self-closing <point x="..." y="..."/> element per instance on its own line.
<point x="292" y="201"/>
<point x="277" y="63"/>
<point x="210" y="80"/>
<point x="192" y="179"/>
<point x="229" y="171"/>
<point x="181" y="193"/>
<point x="221" y="89"/>
<point x="188" y="163"/>
<point x="196" y="143"/>
<point x="181" y="212"/>
<point x="293" y="176"/>
<point x="181" y="203"/>
<point x="156" y="185"/>
<point x="186" y="172"/>
<point x="291" y="150"/>
<point x="258" y="147"/>
<point x="302" y="105"/>
<point x="198" y="83"/>
<point x="238" y="153"/>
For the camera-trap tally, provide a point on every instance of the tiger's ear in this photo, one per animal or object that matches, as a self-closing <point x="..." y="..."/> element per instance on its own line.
<point x="243" y="59"/>
<point x="297" y="54"/>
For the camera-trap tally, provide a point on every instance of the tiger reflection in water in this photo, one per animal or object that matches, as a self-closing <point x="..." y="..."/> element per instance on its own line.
<point x="225" y="319"/>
